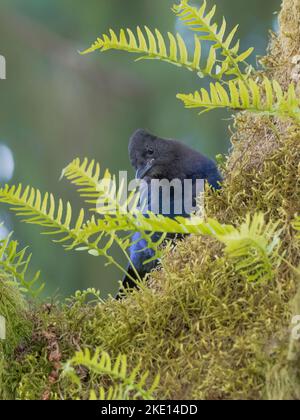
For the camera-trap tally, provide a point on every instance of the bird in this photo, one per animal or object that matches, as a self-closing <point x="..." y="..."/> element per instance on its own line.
<point x="156" y="158"/>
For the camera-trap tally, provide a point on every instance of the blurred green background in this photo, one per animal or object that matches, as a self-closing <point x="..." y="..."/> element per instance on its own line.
<point x="57" y="105"/>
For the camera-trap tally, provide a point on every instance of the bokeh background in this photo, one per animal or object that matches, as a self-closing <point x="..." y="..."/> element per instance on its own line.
<point x="57" y="105"/>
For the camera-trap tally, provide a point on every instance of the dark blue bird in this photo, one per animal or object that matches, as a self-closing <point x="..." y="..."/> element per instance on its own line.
<point x="155" y="158"/>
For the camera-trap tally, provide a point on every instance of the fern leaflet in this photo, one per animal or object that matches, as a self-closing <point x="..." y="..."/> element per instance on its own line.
<point x="153" y="46"/>
<point x="126" y="385"/>
<point x="16" y="263"/>
<point x="38" y="209"/>
<point x="254" y="247"/>
<point x="268" y="98"/>
<point x="250" y="245"/>
<point x="102" y="192"/>
<point x="200" y="20"/>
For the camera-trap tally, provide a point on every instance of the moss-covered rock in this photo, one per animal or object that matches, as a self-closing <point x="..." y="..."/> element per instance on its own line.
<point x="209" y="333"/>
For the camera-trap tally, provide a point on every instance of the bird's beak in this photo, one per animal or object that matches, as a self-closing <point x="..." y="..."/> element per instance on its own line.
<point x="141" y="172"/>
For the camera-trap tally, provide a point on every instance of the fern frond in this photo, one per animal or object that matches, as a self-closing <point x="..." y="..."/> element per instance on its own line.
<point x="95" y="236"/>
<point x="116" y="216"/>
<point x="113" y="393"/>
<point x="97" y="190"/>
<point x="127" y="385"/>
<point x="86" y="176"/>
<point x="41" y="210"/>
<point x="16" y="263"/>
<point x="120" y="216"/>
<point x="267" y="98"/>
<point x="149" y="222"/>
<point x="254" y="247"/>
<point x="200" y="20"/>
<point x="153" y="46"/>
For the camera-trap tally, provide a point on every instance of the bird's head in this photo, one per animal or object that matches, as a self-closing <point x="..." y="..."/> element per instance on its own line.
<point x="150" y="155"/>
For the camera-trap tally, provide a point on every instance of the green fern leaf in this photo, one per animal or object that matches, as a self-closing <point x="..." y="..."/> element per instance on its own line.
<point x="254" y="247"/>
<point x="118" y="217"/>
<point x="33" y="208"/>
<point x="16" y="263"/>
<point x="152" y="46"/>
<point x="41" y="210"/>
<point x="125" y="385"/>
<point x="97" y="235"/>
<point x="200" y="20"/>
<point x="267" y="98"/>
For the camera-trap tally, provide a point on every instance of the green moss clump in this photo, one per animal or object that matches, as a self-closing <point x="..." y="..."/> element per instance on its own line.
<point x="14" y="309"/>
<point x="210" y="333"/>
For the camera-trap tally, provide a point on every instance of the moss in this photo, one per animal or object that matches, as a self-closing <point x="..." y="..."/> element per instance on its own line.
<point x="209" y="333"/>
<point x="199" y="326"/>
<point x="14" y="309"/>
<point x="283" y="378"/>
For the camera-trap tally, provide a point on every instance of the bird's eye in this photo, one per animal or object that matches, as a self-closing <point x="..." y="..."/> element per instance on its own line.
<point x="150" y="152"/>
